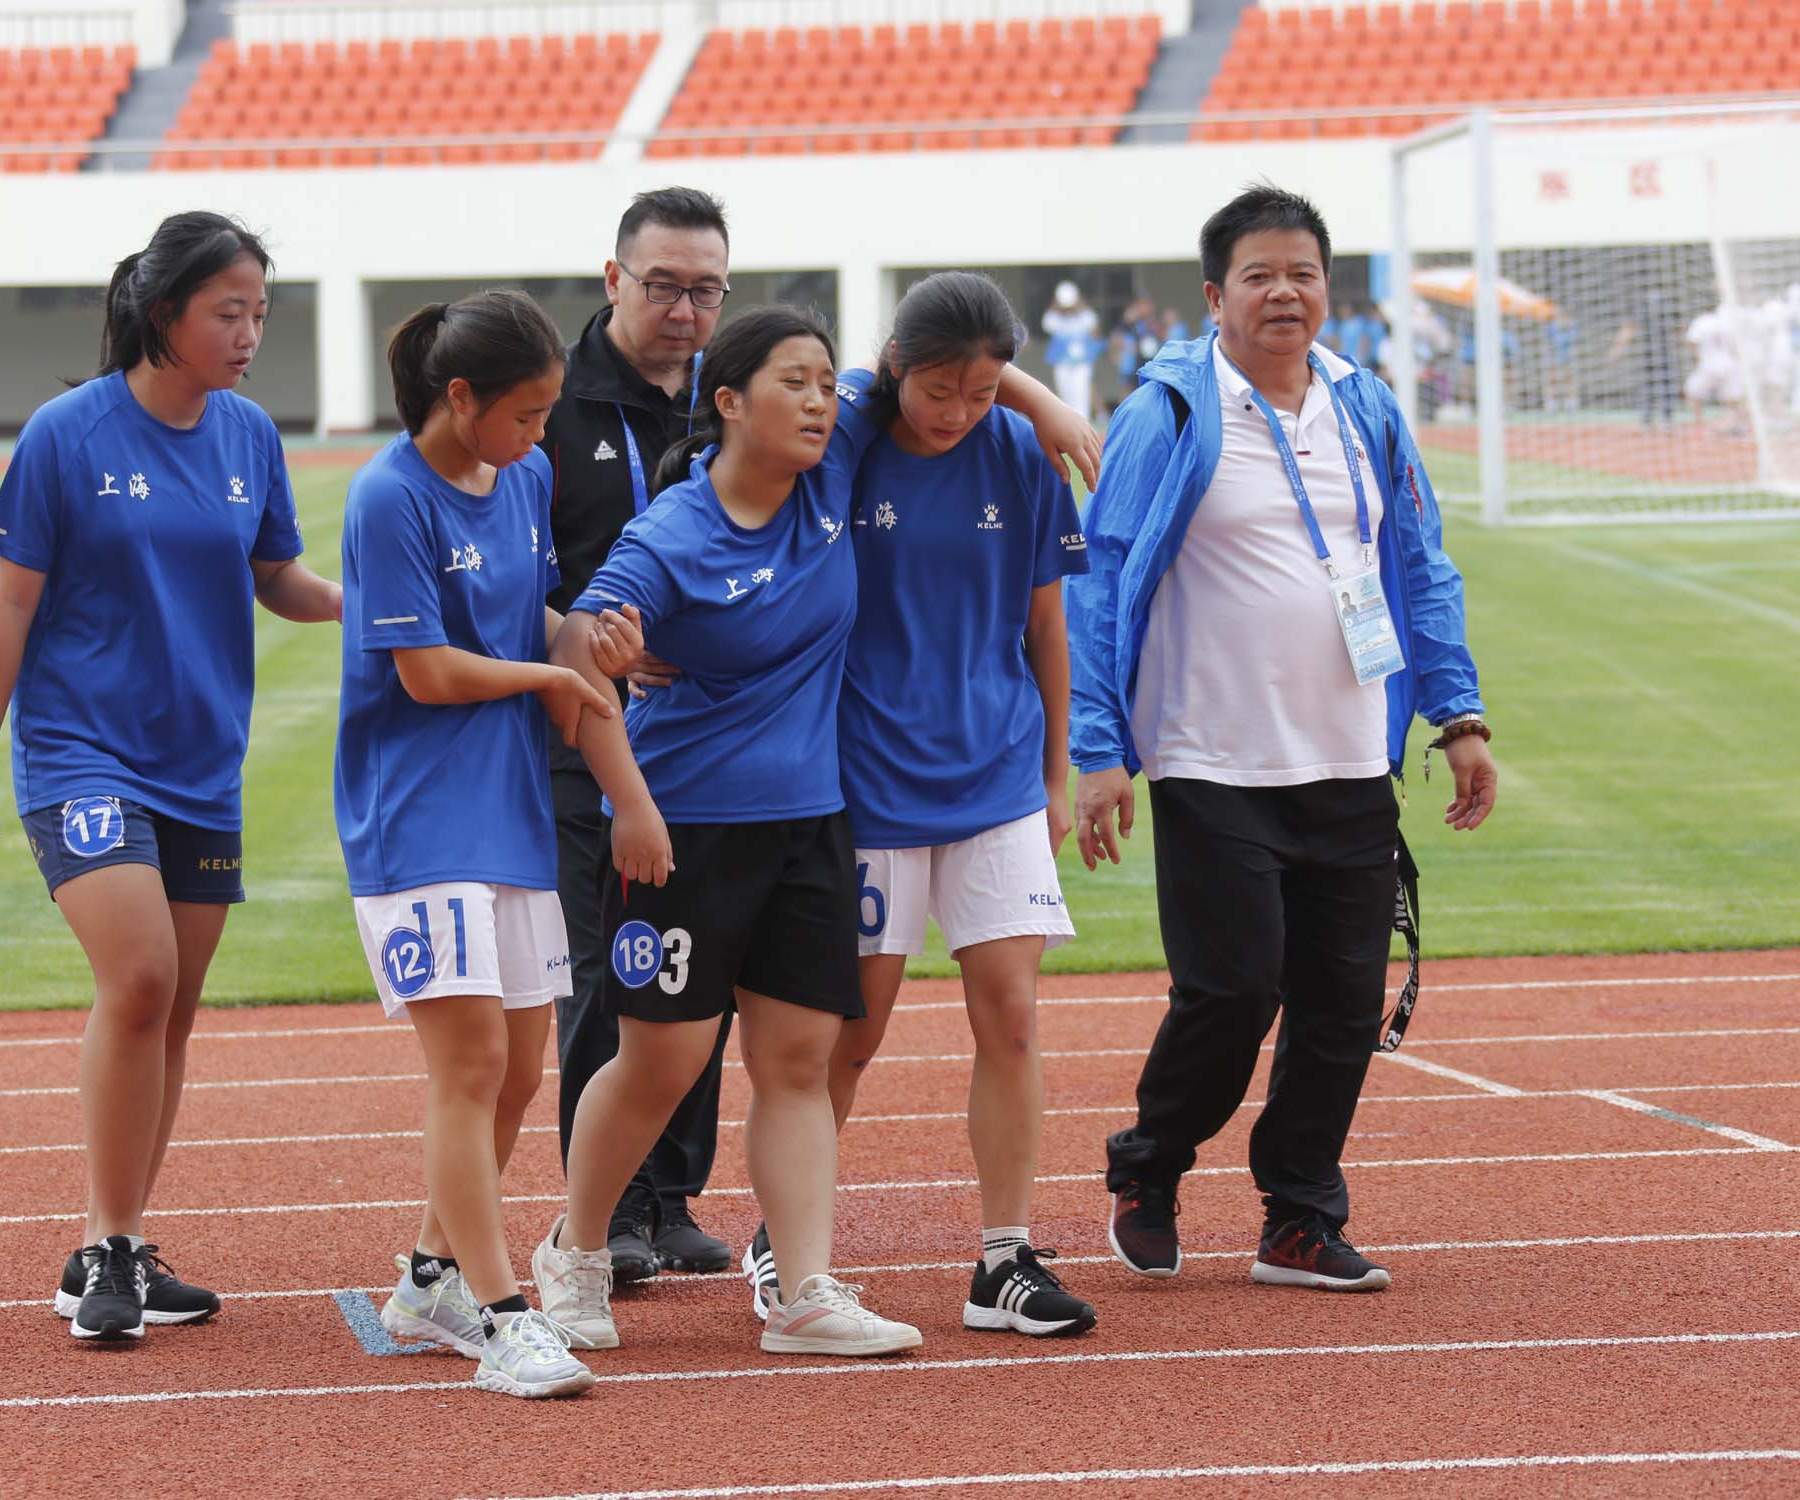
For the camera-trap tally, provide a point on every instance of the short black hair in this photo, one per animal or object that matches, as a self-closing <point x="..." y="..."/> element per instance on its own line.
<point x="1259" y="207"/>
<point x="673" y="208"/>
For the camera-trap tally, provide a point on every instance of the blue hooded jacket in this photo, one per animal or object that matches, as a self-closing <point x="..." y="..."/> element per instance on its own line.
<point x="1150" y="482"/>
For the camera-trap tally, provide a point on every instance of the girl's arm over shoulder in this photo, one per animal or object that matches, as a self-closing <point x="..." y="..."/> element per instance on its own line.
<point x="1061" y="431"/>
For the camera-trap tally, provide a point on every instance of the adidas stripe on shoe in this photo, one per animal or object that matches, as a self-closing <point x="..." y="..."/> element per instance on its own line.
<point x="1024" y="1296"/>
<point x="759" y="1270"/>
<point x="445" y="1312"/>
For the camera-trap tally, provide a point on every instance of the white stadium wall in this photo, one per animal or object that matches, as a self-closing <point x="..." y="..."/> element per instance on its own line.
<point x="859" y="217"/>
<point x="343" y="231"/>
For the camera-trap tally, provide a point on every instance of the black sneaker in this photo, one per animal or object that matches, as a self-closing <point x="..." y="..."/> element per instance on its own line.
<point x="111" y="1305"/>
<point x="1024" y="1295"/>
<point x="631" y="1236"/>
<point x="759" y="1271"/>
<point x="1142" y="1229"/>
<point x="1311" y="1251"/>
<point x="682" y="1245"/>
<point x="167" y="1298"/>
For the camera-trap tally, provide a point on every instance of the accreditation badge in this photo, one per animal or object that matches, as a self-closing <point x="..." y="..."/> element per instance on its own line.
<point x="1362" y="613"/>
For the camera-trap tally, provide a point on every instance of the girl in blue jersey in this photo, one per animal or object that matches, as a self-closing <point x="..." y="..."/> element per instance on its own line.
<point x="745" y="578"/>
<point x="142" y="515"/>
<point x="953" y="734"/>
<point x="442" y="790"/>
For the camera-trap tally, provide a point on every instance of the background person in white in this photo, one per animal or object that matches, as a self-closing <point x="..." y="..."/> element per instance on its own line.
<point x="1074" y="332"/>
<point x="1206" y="646"/>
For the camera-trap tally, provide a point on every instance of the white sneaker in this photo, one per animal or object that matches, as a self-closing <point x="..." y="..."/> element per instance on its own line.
<point x="444" y="1312"/>
<point x="575" y="1287"/>
<point x="827" y="1317"/>
<point x="528" y="1355"/>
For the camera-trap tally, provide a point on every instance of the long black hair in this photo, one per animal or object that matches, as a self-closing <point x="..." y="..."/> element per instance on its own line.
<point x="737" y="352"/>
<point x="493" y="340"/>
<point x="151" y="288"/>
<point x="947" y="319"/>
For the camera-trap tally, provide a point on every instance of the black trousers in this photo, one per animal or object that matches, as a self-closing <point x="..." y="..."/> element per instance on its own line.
<point x="586" y="1037"/>
<point x="1271" y="899"/>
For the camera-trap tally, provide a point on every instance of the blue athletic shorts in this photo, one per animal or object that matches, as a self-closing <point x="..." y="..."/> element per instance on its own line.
<point x="202" y="865"/>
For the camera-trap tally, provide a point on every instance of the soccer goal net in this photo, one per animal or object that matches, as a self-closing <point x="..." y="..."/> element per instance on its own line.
<point x="1596" y="314"/>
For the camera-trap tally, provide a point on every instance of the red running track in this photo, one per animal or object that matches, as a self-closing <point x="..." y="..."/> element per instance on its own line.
<point x="1581" y="1172"/>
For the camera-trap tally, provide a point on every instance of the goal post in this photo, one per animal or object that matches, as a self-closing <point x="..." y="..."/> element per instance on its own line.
<point x="1596" y="313"/>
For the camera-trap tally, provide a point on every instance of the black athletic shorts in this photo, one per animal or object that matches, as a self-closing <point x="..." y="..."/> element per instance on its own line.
<point x="202" y="865"/>
<point x="768" y="906"/>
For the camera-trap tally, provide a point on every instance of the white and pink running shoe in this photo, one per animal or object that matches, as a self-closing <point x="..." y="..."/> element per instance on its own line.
<point x="827" y="1317"/>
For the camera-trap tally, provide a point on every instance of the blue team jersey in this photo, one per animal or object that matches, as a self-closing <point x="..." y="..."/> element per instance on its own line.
<point x="452" y="791"/>
<point x="941" y="726"/>
<point x="140" y="661"/>
<point x="757" y="621"/>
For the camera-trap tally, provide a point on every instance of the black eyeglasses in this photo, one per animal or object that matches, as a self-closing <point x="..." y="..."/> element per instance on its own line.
<point x="667" y="293"/>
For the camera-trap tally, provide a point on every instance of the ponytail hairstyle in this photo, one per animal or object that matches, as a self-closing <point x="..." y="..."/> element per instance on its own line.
<point x="493" y="340"/>
<point x="946" y="319"/>
<point x="152" y="288"/>
<point x="736" y="353"/>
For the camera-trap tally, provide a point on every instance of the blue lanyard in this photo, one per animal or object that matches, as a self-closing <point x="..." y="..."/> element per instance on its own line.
<point x="1289" y="463"/>
<point x="640" y="487"/>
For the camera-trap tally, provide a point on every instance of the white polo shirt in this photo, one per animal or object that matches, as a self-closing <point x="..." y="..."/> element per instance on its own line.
<point x="1244" y="677"/>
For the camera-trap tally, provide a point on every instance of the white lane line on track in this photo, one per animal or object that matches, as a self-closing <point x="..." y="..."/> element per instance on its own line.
<point x="1455" y="1075"/>
<point x="1125" y="1107"/>
<point x="1323" y="1468"/>
<point x="924" y="1366"/>
<point x="921" y="1267"/>
<point x="1413" y="1044"/>
<point x="1496" y="987"/>
<point x="1713" y="1127"/>
<point x="937" y="1184"/>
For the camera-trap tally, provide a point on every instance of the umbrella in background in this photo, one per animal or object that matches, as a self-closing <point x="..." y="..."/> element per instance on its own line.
<point x="1456" y="285"/>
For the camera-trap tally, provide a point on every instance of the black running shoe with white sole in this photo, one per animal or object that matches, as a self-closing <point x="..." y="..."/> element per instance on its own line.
<point x="167" y="1298"/>
<point x="759" y="1271"/>
<point x="111" y="1305"/>
<point x="1023" y="1295"/>
<point x="1311" y="1251"/>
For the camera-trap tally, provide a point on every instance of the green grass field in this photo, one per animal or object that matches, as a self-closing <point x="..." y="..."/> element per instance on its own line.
<point x="1640" y="680"/>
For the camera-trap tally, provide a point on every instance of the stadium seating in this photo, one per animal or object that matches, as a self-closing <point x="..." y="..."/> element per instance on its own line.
<point x="58" y="96"/>
<point x="1414" y="63"/>
<point x="485" y="88"/>
<point x="942" y="81"/>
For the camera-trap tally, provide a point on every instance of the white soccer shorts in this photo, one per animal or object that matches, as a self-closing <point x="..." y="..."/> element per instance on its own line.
<point x="1001" y="883"/>
<point x="463" y="937"/>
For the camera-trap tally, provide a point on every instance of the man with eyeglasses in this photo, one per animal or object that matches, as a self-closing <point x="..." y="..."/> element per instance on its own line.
<point x="626" y="396"/>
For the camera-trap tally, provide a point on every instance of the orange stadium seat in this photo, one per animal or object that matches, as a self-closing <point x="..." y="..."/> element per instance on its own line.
<point x="58" y="96"/>
<point x="1464" y="52"/>
<point x="470" y="92"/>
<point x="1057" y="69"/>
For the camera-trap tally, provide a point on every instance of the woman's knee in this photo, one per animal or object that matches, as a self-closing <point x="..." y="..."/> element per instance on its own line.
<point x="1005" y="1030"/>
<point x="475" y="1070"/>
<point x="520" y="1085"/>
<point x="137" y="996"/>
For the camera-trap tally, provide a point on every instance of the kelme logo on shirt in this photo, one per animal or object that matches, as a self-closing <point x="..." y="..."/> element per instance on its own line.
<point x="833" y="529"/>
<point x="1075" y="541"/>
<point x="605" y="451"/>
<point x="237" y="495"/>
<point x="990" y="519"/>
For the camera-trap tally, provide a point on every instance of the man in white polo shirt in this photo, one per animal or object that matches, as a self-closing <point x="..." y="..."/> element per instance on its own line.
<point x="1268" y="608"/>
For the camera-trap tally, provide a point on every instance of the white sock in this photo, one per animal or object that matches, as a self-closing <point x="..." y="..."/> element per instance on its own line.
<point x="1000" y="1245"/>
